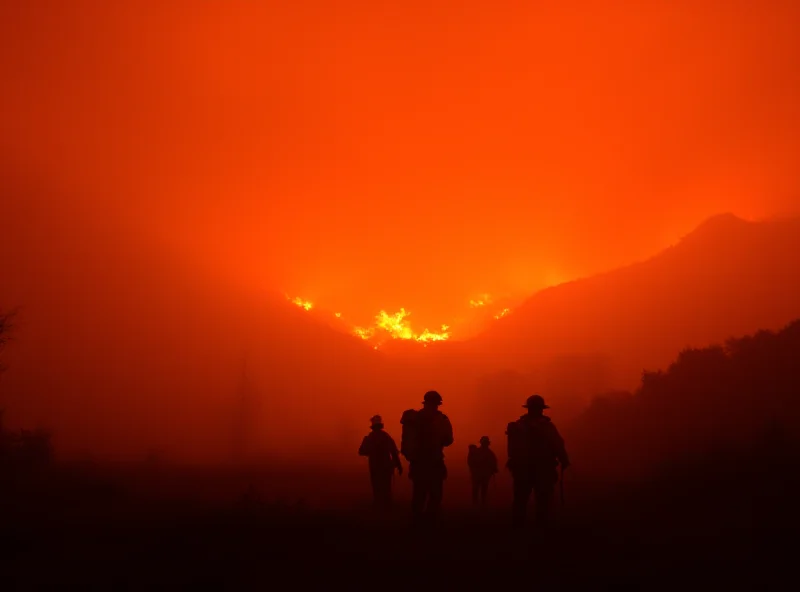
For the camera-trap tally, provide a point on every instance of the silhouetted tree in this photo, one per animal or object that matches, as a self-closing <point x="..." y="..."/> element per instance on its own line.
<point x="27" y="448"/>
<point x="711" y="405"/>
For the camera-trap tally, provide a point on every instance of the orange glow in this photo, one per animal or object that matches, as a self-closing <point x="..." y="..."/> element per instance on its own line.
<point x="162" y="163"/>
<point x="579" y="163"/>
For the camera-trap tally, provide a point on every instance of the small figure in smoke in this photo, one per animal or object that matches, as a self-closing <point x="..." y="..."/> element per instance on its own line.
<point x="482" y="464"/>
<point x="384" y="459"/>
<point x="535" y="450"/>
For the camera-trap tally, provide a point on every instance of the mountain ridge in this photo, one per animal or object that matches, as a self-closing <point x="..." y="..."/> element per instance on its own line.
<point x="727" y="277"/>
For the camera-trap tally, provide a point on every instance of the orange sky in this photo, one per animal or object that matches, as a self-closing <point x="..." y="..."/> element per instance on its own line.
<point x="370" y="155"/>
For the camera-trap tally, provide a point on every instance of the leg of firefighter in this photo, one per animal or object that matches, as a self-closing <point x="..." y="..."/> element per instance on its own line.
<point x="382" y="488"/>
<point x="543" y="492"/>
<point x="484" y="491"/>
<point x="476" y="485"/>
<point x="374" y="481"/>
<point x="420" y="485"/>
<point x="435" y="494"/>
<point x="522" y="494"/>
<point x="388" y="489"/>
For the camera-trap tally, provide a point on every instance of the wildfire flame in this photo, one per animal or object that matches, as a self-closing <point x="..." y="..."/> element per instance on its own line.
<point x="364" y="333"/>
<point x="397" y="327"/>
<point x="427" y="336"/>
<point x="483" y="300"/>
<point x="304" y="304"/>
<point x="394" y="325"/>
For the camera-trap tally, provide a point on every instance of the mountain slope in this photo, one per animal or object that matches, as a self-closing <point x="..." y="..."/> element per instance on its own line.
<point x="121" y="345"/>
<point x="728" y="277"/>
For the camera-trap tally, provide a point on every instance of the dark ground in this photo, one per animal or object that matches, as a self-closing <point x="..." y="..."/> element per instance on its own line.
<point x="134" y="528"/>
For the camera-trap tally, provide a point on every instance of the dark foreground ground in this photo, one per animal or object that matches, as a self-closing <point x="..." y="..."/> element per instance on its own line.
<point x="127" y="529"/>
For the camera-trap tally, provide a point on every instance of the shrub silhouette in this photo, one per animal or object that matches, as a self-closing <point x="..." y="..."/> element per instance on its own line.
<point x="25" y="449"/>
<point x="736" y="404"/>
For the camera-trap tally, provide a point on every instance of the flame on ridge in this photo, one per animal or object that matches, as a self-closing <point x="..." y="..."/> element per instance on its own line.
<point x="482" y="300"/>
<point x="364" y="333"/>
<point x="397" y="327"/>
<point x="304" y="304"/>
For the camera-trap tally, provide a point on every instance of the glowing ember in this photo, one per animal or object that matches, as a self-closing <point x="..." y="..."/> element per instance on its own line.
<point x="338" y="315"/>
<point x="304" y="304"/>
<point x="482" y="301"/>
<point x="430" y="336"/>
<point x="503" y="313"/>
<point x="364" y="333"/>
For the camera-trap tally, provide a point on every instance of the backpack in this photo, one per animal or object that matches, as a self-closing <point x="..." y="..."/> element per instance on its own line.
<point x="529" y="445"/>
<point x="472" y="456"/>
<point x="421" y="439"/>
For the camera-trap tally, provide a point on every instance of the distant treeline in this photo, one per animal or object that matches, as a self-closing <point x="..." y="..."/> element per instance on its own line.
<point x="735" y="405"/>
<point x="23" y="448"/>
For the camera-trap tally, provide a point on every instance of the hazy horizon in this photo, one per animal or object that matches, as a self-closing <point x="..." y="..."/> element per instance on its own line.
<point x="167" y="167"/>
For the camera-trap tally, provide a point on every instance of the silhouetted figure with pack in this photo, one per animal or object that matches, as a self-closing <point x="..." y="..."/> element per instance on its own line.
<point x="426" y="432"/>
<point x="482" y="464"/>
<point x="535" y="449"/>
<point x="384" y="459"/>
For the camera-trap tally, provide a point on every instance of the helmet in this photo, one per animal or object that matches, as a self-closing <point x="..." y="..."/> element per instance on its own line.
<point x="376" y="421"/>
<point x="485" y="440"/>
<point x="535" y="402"/>
<point x="432" y="397"/>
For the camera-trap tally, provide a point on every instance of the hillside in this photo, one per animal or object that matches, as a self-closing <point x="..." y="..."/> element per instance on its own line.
<point x="121" y="346"/>
<point x="700" y="412"/>
<point x="727" y="277"/>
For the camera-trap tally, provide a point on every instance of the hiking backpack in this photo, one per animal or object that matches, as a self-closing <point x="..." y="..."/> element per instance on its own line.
<point x="421" y="435"/>
<point x="528" y="445"/>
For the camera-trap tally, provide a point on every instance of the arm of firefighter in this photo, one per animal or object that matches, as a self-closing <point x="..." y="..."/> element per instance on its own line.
<point x="364" y="449"/>
<point x="493" y="460"/>
<point x="561" y="449"/>
<point x="395" y="455"/>
<point x="447" y="436"/>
